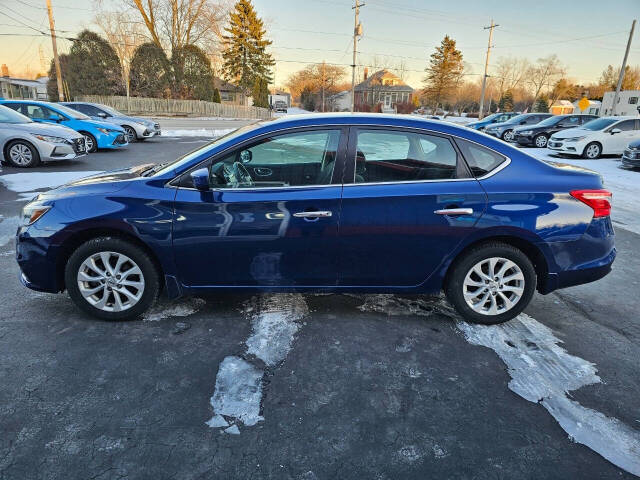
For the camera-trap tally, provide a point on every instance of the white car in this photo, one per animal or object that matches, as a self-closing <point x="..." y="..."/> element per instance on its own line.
<point x="602" y="136"/>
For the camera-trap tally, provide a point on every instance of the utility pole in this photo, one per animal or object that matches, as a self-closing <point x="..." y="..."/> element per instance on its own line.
<point x="486" y="67"/>
<point x="323" y="83"/>
<point x="56" y="60"/>
<point x="357" y="31"/>
<point x="624" y="65"/>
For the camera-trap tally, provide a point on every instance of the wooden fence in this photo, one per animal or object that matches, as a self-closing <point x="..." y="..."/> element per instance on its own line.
<point x="172" y="107"/>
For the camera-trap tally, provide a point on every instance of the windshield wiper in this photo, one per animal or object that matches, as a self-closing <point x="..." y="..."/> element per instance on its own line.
<point x="154" y="169"/>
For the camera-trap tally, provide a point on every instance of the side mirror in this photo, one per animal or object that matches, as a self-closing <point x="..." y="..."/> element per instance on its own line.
<point x="102" y="115"/>
<point x="54" y="118"/>
<point x="246" y="156"/>
<point x="613" y="131"/>
<point x="523" y="122"/>
<point x="200" y="179"/>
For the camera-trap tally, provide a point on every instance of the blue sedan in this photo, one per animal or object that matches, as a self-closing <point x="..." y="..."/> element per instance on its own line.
<point x="340" y="203"/>
<point x="96" y="134"/>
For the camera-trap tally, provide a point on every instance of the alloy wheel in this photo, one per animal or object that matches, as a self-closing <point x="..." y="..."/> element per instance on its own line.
<point x="20" y="154"/>
<point x="541" y="141"/>
<point x="493" y="286"/>
<point x="110" y="281"/>
<point x="508" y="136"/>
<point x="593" y="151"/>
<point x="89" y="143"/>
<point x="131" y="134"/>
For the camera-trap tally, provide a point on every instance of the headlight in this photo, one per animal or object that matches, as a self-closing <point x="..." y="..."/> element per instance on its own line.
<point x="32" y="212"/>
<point x="526" y="132"/>
<point x="575" y="139"/>
<point x="49" y="139"/>
<point x="106" y="131"/>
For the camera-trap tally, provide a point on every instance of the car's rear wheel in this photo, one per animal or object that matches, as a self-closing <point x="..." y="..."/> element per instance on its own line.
<point x="507" y="136"/>
<point x="112" y="279"/>
<point x="592" y="151"/>
<point x="90" y="140"/>
<point x="22" y="154"/>
<point x="540" y="141"/>
<point x="130" y="133"/>
<point x="491" y="283"/>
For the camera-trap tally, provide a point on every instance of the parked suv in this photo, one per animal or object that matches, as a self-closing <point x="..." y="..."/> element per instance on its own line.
<point x="538" y="135"/>
<point x="499" y="117"/>
<point x="136" y="128"/>
<point x="96" y="134"/>
<point x="25" y="143"/>
<point x="504" y="130"/>
<point x="603" y="136"/>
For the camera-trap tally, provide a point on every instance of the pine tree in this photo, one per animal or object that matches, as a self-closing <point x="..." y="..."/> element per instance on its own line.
<point x="245" y="54"/>
<point x="260" y="93"/>
<point x="542" y="105"/>
<point x="150" y="72"/>
<point x="506" y="102"/>
<point x="216" y="96"/>
<point x="192" y="74"/>
<point x="444" y="73"/>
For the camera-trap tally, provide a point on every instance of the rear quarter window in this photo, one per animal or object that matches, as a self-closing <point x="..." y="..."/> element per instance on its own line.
<point x="481" y="160"/>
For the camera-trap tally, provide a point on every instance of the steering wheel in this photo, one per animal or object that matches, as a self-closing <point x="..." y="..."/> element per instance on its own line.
<point x="242" y="175"/>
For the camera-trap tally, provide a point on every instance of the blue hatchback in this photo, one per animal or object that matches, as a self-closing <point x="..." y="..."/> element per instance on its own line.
<point x="97" y="134"/>
<point x="340" y="203"/>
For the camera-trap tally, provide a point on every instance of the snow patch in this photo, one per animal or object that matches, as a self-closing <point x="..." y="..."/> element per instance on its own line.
<point x="182" y="309"/>
<point x="274" y="326"/>
<point x="238" y="391"/>
<point x="198" y="132"/>
<point x="541" y="372"/>
<point x="31" y="181"/>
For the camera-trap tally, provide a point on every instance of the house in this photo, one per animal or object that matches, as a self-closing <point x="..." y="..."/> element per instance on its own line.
<point x="21" y="88"/>
<point x="229" y="93"/>
<point x="592" y="109"/>
<point x="381" y="88"/>
<point x="340" y="102"/>
<point x="561" y="107"/>
<point x="627" y="103"/>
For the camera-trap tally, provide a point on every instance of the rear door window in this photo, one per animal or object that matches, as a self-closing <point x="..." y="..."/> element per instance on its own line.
<point x="481" y="160"/>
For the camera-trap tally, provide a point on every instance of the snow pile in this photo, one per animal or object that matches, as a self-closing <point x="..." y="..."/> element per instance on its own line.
<point x="32" y="181"/>
<point x="163" y="310"/>
<point x="198" y="132"/>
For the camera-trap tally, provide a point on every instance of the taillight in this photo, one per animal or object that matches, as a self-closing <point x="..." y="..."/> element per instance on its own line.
<point x="599" y="200"/>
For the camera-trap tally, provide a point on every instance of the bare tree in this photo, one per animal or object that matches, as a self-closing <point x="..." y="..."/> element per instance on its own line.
<point x="545" y="72"/>
<point x="510" y="73"/>
<point x="173" y="24"/>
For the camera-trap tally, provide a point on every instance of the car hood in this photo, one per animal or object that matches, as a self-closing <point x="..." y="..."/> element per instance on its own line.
<point x="477" y="124"/>
<point x="125" y="118"/>
<point x="105" y="182"/>
<point x="571" y="132"/>
<point x="44" y="129"/>
<point x="522" y="128"/>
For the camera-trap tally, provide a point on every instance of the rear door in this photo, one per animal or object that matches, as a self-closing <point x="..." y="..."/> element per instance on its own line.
<point x="408" y="201"/>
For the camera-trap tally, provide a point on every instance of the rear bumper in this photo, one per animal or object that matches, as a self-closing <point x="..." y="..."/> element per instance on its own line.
<point x="586" y="274"/>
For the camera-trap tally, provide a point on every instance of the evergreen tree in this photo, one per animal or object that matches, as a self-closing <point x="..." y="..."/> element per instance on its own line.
<point x="245" y="54"/>
<point x="541" y="105"/>
<point x="216" y="96"/>
<point x="506" y="102"/>
<point x="192" y="74"/>
<point x="260" y="93"/>
<point x="444" y="72"/>
<point x="90" y="68"/>
<point x="150" y="72"/>
<point x="308" y="99"/>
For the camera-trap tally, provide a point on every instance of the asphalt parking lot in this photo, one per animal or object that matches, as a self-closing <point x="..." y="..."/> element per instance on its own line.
<point x="313" y="386"/>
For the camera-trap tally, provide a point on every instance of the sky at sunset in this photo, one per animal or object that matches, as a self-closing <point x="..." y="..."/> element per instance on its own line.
<point x="586" y="35"/>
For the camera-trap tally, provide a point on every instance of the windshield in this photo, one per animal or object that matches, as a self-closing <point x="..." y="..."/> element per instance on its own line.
<point x="517" y="118"/>
<point x="599" y="124"/>
<point x="69" y="112"/>
<point x="165" y="167"/>
<point x="111" y="111"/>
<point x="491" y="117"/>
<point x="7" y="115"/>
<point x="548" y="122"/>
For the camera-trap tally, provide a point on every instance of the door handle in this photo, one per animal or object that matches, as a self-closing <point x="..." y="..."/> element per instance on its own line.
<point x="454" y="211"/>
<point x="263" y="172"/>
<point x="318" y="214"/>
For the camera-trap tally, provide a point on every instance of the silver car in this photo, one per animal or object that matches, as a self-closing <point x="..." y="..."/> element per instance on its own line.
<point x="136" y="128"/>
<point x="25" y="143"/>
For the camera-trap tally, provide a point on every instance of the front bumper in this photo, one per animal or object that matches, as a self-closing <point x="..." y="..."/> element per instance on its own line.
<point x="523" y="139"/>
<point x="631" y="158"/>
<point x="568" y="148"/>
<point x="50" y="152"/>
<point x="112" y="140"/>
<point x="148" y="131"/>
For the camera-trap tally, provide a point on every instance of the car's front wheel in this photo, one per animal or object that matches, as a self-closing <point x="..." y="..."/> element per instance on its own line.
<point x="90" y="142"/>
<point x="592" y="151"/>
<point x="540" y="141"/>
<point x="130" y="133"/>
<point x="491" y="283"/>
<point x="22" y="154"/>
<point x="112" y="279"/>
<point x="507" y="136"/>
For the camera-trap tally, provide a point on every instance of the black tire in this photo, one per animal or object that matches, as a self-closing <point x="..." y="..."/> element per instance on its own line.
<point x="540" y="140"/>
<point x="586" y="153"/>
<point x="35" y="156"/>
<point x="113" y="244"/>
<point x="454" y="283"/>
<point x="92" y="144"/>
<point x="130" y="133"/>
<point x="504" y="135"/>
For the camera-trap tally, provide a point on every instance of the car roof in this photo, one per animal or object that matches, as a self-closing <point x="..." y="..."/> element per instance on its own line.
<point x="622" y="117"/>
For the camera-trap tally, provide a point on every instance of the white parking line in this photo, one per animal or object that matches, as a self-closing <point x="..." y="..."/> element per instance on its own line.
<point x="541" y="372"/>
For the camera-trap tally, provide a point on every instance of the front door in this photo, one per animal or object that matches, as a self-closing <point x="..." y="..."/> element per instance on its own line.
<point x="619" y="141"/>
<point x="270" y="218"/>
<point x="411" y="202"/>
